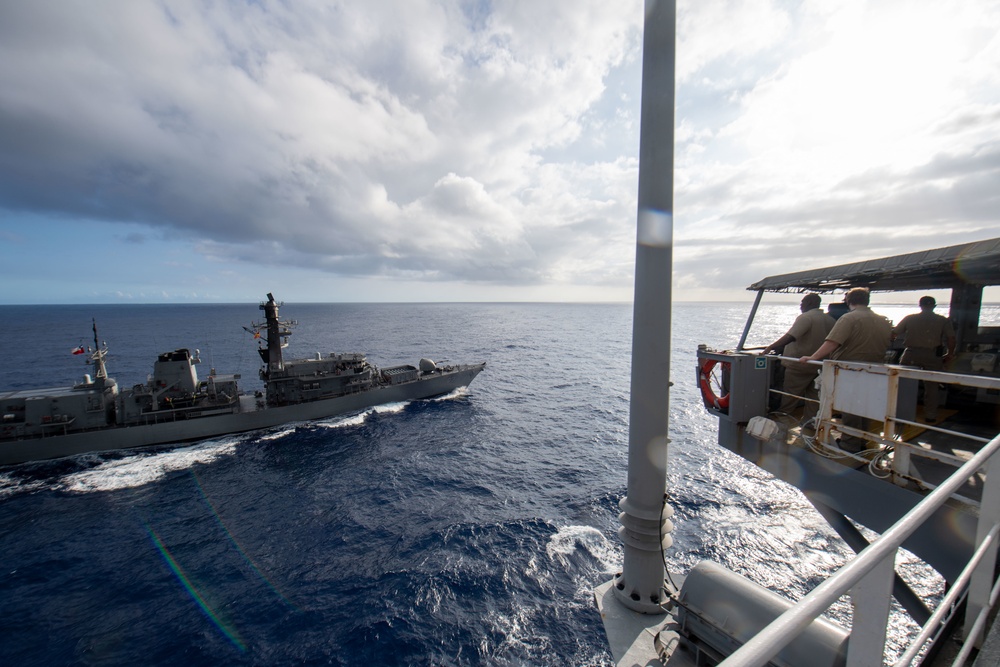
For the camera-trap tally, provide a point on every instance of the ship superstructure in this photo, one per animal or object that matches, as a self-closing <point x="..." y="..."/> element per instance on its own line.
<point x="906" y="456"/>
<point x="925" y="483"/>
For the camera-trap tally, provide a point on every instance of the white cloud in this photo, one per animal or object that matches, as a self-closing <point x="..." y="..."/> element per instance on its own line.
<point x="357" y="139"/>
<point x="874" y="135"/>
<point x="712" y="30"/>
<point x="495" y="143"/>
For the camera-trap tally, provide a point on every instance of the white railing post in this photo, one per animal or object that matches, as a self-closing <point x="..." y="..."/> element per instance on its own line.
<point x="889" y="422"/>
<point x="868" y="578"/>
<point x="825" y="413"/>
<point x="870" y="600"/>
<point x="982" y="577"/>
<point x="901" y="463"/>
<point x="901" y="452"/>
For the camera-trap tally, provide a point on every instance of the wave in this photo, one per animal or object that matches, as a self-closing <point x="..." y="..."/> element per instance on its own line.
<point x="278" y="434"/>
<point x="360" y="417"/>
<point x="390" y="408"/>
<point x="569" y="540"/>
<point x="144" y="468"/>
<point x="461" y="392"/>
<point x="11" y="484"/>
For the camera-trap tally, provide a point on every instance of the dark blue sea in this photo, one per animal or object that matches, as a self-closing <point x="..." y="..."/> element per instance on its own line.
<point x="468" y="529"/>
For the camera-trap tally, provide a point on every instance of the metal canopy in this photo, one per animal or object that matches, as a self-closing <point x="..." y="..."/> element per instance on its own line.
<point x="966" y="264"/>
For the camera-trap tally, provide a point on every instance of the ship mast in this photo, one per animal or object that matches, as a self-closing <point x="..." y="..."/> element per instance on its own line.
<point x="100" y="371"/>
<point x="277" y="335"/>
<point x="645" y="517"/>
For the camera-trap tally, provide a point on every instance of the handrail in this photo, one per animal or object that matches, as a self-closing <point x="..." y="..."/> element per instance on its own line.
<point x="932" y="427"/>
<point x="966" y="380"/>
<point x="769" y="641"/>
<point x="956" y="591"/>
<point x="978" y="626"/>
<point x="891" y="418"/>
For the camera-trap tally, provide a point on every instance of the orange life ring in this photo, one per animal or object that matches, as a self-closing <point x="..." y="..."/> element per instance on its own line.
<point x="704" y="381"/>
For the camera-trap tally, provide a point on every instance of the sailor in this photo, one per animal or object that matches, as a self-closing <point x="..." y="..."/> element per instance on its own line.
<point x="860" y="334"/>
<point x="930" y="342"/>
<point x="806" y="335"/>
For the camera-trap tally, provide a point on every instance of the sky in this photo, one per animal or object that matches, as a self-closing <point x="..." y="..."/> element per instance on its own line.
<point x="471" y="150"/>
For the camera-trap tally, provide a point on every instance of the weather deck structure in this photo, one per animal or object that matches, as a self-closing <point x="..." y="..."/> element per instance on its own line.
<point x="906" y="457"/>
<point x="916" y="485"/>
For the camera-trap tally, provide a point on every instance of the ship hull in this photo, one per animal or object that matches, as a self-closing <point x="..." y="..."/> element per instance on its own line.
<point x="248" y="419"/>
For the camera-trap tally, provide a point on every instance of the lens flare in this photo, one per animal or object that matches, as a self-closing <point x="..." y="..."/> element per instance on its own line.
<point x="230" y="633"/>
<point x="236" y="545"/>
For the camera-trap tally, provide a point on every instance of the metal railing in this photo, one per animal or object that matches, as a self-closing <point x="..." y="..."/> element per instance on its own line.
<point x="892" y="424"/>
<point x="868" y="580"/>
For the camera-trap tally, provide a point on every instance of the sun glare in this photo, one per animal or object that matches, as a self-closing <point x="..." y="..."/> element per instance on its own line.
<point x="868" y="97"/>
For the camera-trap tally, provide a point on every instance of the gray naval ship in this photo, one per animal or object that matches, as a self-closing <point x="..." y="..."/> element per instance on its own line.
<point x="175" y="406"/>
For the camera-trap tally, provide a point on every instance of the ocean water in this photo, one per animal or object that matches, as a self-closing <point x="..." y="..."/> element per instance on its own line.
<point x="468" y="529"/>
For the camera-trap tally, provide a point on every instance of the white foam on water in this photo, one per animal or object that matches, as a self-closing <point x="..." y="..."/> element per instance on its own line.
<point x="277" y="435"/>
<point x="358" y="419"/>
<point x="455" y="393"/>
<point x="10" y="486"/>
<point x="353" y="420"/>
<point x="142" y="469"/>
<point x="517" y="635"/>
<point x="570" y="538"/>
<point x="390" y="408"/>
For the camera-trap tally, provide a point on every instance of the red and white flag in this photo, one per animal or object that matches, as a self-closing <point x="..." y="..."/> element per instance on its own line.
<point x="78" y="350"/>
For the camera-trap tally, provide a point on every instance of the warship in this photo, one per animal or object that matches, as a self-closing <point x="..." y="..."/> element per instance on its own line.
<point x="175" y="406"/>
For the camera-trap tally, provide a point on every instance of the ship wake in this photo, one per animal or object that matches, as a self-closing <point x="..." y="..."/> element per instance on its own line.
<point x="135" y="471"/>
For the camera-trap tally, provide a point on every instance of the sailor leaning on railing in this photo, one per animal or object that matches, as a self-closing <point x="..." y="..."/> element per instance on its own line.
<point x="807" y="333"/>
<point x="860" y="334"/>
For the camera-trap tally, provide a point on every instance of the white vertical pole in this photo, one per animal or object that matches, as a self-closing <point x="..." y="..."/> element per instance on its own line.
<point x="870" y="601"/>
<point x="753" y="314"/>
<point x="982" y="577"/>
<point x="640" y="585"/>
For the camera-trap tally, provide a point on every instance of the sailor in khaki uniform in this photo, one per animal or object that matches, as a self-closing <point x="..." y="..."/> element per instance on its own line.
<point x="859" y="335"/>
<point x="806" y="335"/>
<point x="930" y="342"/>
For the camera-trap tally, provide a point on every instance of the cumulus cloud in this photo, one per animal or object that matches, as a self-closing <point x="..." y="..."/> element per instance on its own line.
<point x="875" y="134"/>
<point x="495" y="143"/>
<point x="383" y="138"/>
